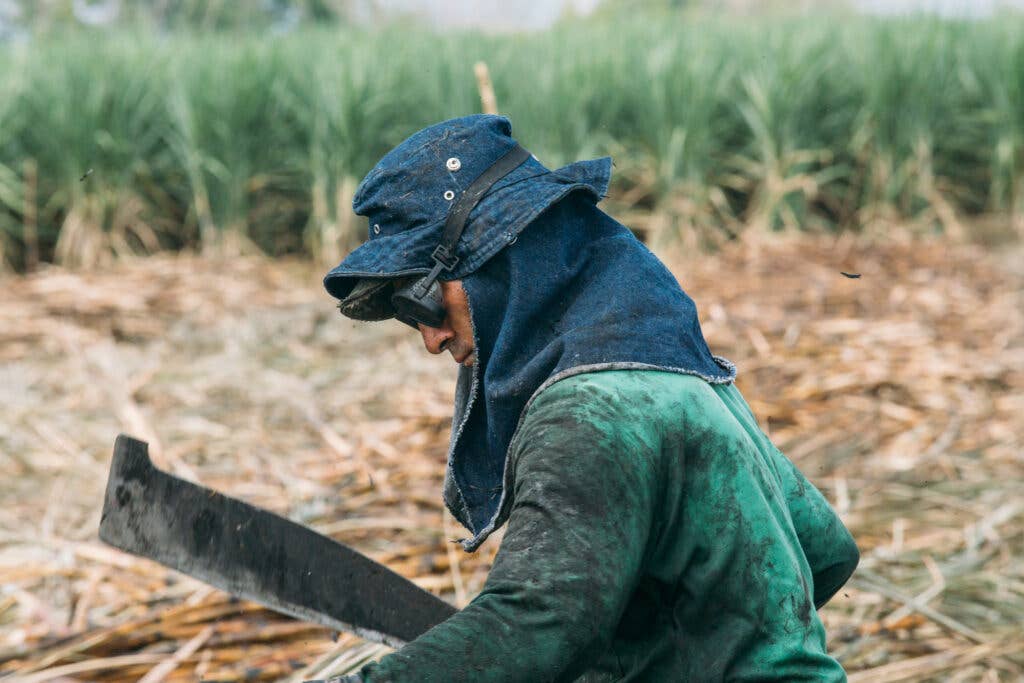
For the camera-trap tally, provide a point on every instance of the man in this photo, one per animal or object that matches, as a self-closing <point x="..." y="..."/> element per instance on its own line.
<point x="654" y="532"/>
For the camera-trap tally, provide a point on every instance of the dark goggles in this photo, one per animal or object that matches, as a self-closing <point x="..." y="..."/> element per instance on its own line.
<point x="418" y="303"/>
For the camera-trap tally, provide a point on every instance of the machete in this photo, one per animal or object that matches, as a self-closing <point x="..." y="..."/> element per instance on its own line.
<point x="257" y="555"/>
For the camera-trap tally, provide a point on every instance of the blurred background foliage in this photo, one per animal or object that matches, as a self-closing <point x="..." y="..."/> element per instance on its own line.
<point x="132" y="127"/>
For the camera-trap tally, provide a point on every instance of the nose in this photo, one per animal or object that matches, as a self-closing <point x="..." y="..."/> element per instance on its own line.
<point x="436" y="339"/>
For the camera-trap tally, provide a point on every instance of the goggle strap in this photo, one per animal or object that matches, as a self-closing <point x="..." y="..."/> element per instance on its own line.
<point x="423" y="286"/>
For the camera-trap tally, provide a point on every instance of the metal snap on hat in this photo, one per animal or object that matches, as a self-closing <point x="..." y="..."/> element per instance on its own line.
<point x="408" y="194"/>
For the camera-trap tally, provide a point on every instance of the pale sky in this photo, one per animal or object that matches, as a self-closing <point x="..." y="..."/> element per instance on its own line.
<point x="536" y="14"/>
<point x="489" y="13"/>
<point x="951" y="8"/>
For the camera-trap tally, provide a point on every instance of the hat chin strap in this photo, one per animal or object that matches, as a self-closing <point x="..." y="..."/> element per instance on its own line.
<point x="444" y="253"/>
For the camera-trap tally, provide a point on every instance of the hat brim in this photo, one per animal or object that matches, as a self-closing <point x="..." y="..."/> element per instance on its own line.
<point x="369" y="299"/>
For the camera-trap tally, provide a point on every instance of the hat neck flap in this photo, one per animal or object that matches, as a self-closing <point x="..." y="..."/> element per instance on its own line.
<point x="576" y="292"/>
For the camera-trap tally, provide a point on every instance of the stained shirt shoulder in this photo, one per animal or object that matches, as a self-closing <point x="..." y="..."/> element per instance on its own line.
<point x="617" y="402"/>
<point x="609" y="410"/>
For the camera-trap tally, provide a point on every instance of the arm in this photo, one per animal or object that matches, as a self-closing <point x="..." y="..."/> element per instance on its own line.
<point x="568" y="564"/>
<point x="826" y="543"/>
<point x="830" y="549"/>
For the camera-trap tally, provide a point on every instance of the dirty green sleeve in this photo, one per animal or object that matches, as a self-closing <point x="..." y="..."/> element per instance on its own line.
<point x="569" y="561"/>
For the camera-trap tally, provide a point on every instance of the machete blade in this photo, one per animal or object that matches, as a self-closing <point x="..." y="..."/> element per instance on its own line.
<point x="258" y="555"/>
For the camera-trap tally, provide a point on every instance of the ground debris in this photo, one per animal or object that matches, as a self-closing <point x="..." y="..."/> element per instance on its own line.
<point x="898" y="394"/>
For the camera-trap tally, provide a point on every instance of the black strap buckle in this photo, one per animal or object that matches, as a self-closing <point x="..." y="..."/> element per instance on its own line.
<point x="443" y="260"/>
<point x="442" y="256"/>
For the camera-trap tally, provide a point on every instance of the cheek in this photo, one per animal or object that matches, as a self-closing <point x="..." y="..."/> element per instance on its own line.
<point x="464" y="323"/>
<point x="457" y="308"/>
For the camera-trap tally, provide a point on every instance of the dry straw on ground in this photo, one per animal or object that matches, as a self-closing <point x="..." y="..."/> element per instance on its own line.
<point x="899" y="393"/>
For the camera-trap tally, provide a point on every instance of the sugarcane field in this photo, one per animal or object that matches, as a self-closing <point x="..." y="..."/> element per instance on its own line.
<point x="734" y="293"/>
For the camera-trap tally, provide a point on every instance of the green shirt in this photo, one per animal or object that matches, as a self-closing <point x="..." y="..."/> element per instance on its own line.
<point x="656" y="534"/>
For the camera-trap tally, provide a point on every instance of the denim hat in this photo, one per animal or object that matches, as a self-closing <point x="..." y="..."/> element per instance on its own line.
<point x="408" y="194"/>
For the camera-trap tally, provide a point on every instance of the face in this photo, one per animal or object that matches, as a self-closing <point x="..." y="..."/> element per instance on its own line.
<point x="456" y="332"/>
